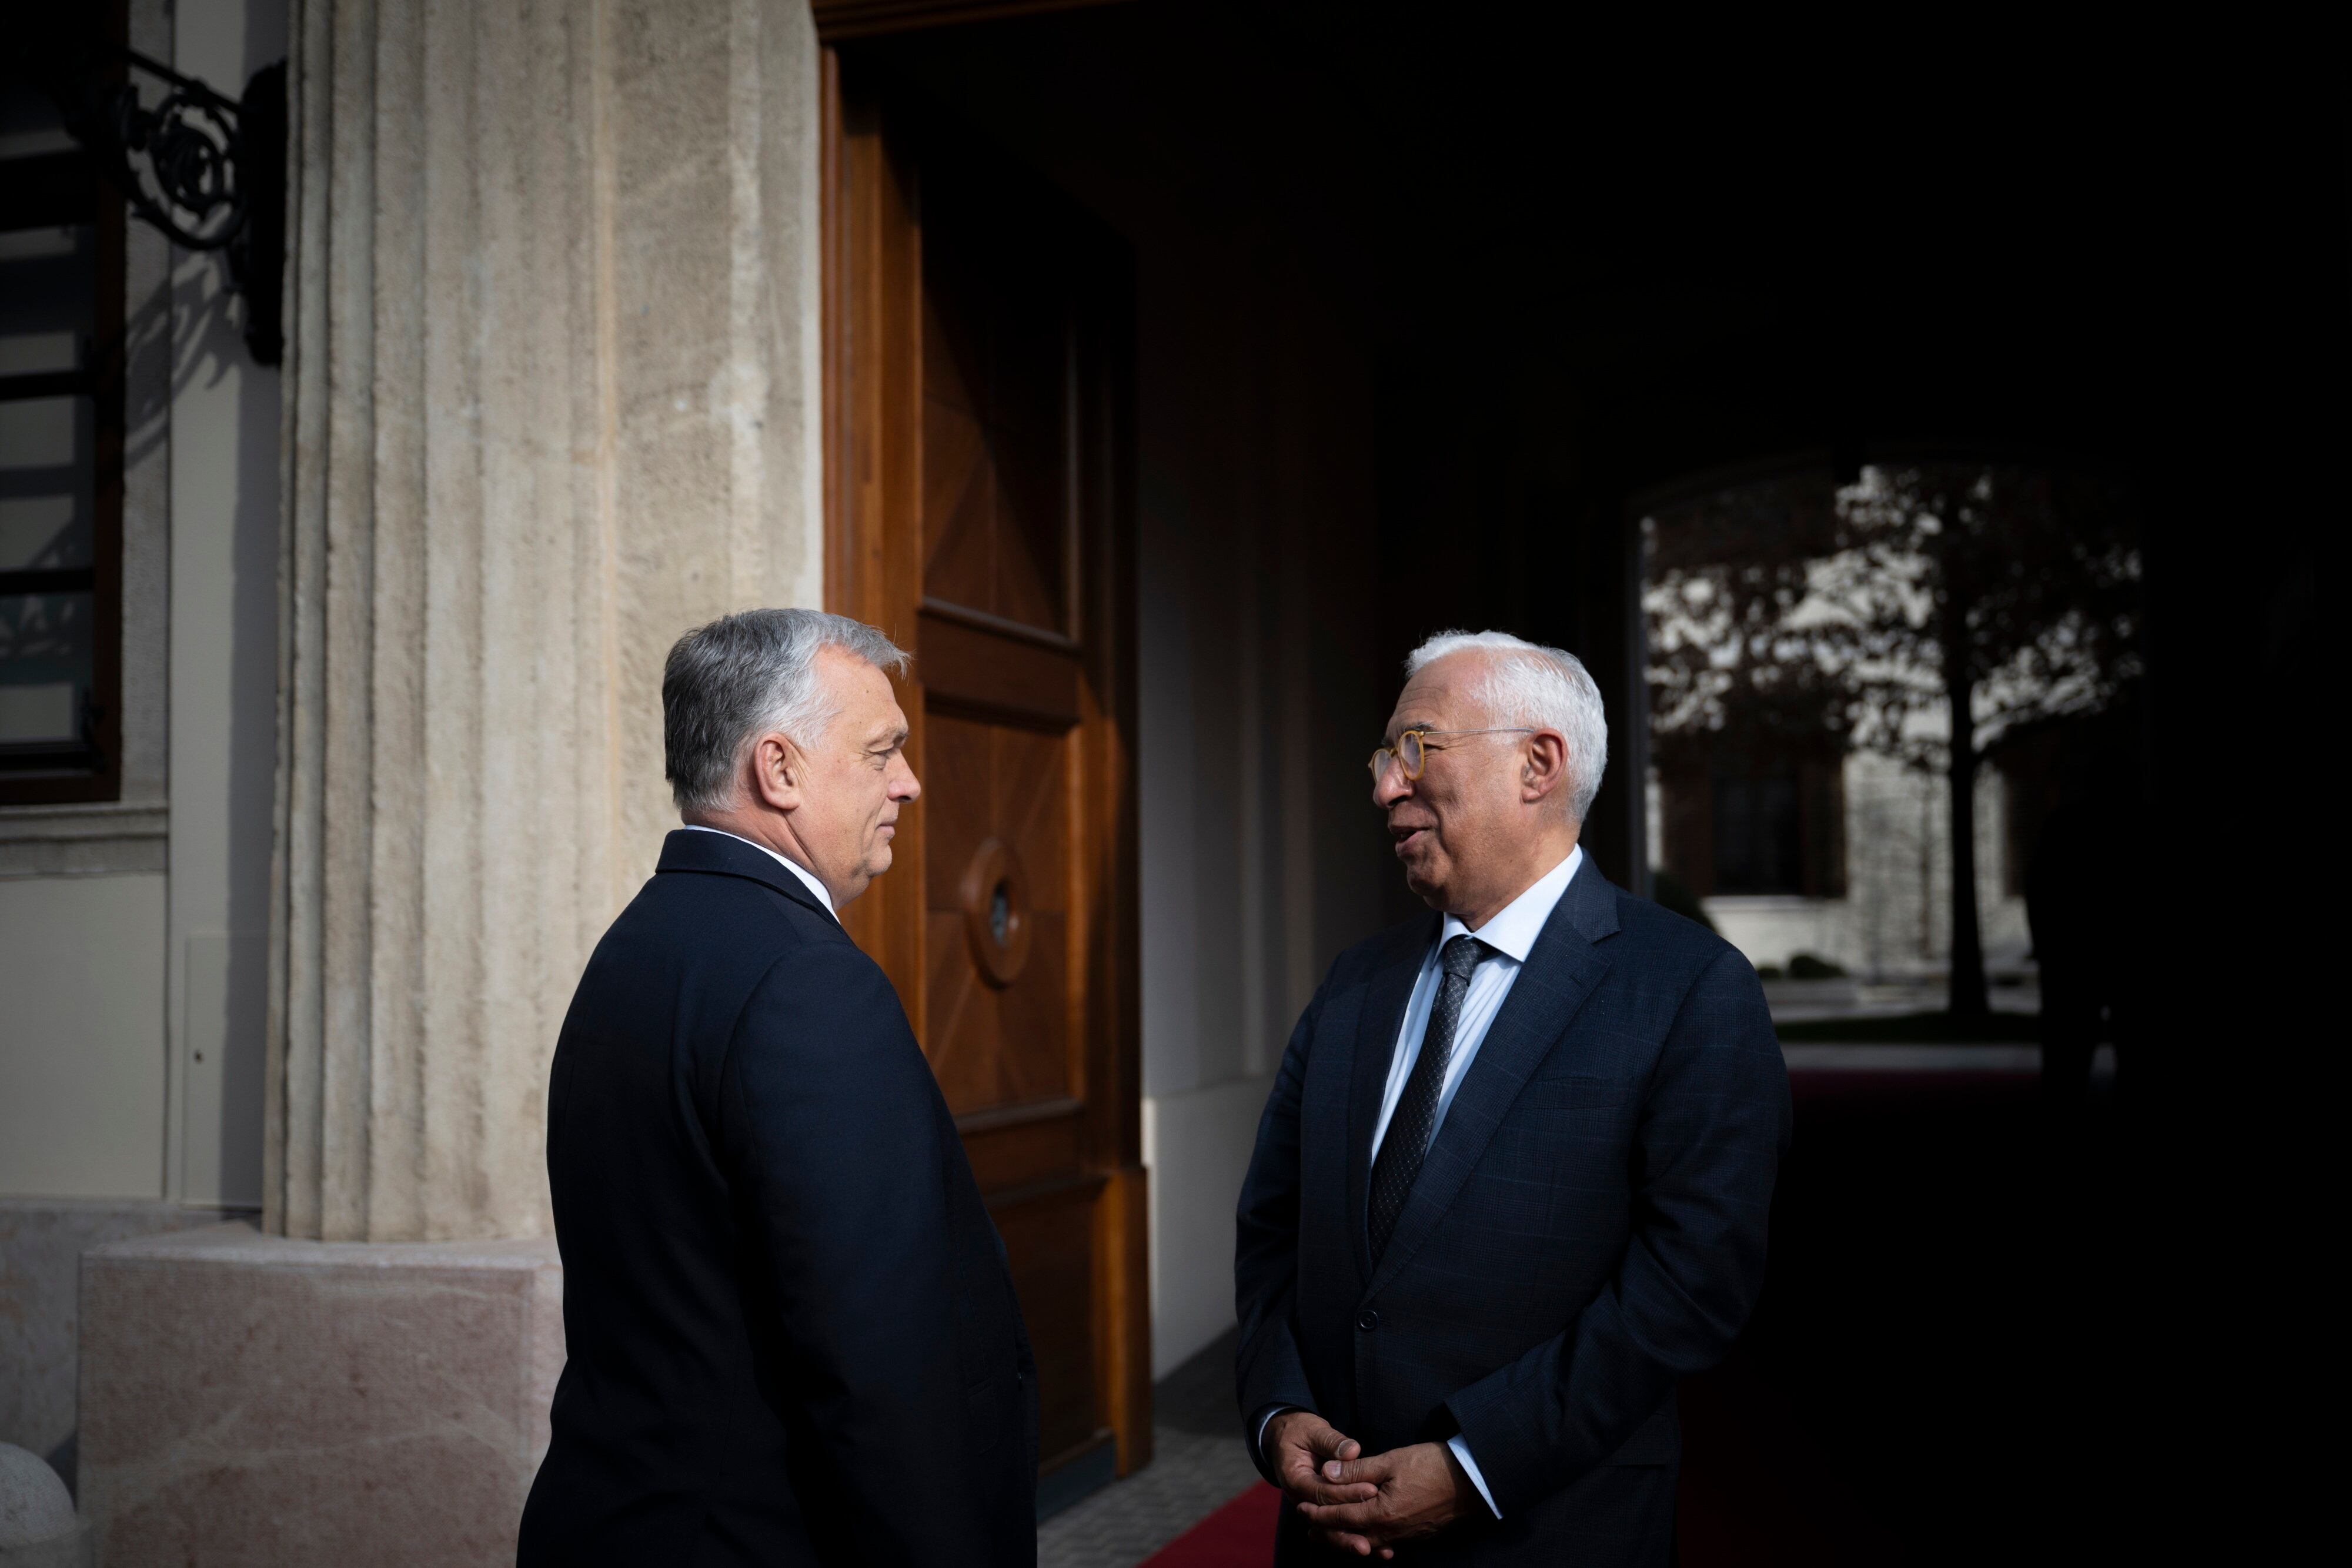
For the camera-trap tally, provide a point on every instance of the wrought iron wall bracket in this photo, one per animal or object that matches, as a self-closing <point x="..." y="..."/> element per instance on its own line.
<point x="206" y="171"/>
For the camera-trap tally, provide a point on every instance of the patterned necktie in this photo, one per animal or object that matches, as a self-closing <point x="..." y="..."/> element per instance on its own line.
<point x="1406" y="1143"/>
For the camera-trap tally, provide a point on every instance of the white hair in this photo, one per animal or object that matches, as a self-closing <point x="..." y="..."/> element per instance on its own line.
<point x="1524" y="684"/>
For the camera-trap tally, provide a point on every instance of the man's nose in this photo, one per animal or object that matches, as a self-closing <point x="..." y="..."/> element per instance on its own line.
<point x="1391" y="785"/>
<point x="908" y="786"/>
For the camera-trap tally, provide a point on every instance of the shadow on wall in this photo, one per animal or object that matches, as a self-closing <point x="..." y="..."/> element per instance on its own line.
<point x="225" y="481"/>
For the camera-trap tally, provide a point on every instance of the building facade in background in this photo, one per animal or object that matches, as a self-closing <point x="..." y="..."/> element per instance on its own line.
<point x="1865" y="699"/>
<point x="1847" y="860"/>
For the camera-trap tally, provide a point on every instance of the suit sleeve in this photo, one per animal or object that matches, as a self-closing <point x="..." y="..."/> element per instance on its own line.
<point x="1268" y="1368"/>
<point x="1705" y="1154"/>
<point x="830" y="1130"/>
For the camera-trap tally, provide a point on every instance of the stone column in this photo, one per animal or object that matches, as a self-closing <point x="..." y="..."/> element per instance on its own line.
<point x="551" y="400"/>
<point x="552" y="397"/>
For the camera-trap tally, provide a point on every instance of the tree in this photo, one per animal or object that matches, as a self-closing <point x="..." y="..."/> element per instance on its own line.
<point x="1994" y="597"/>
<point x="1730" y="650"/>
<point x="1923" y="613"/>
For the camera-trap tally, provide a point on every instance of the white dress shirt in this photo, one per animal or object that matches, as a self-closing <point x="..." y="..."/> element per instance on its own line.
<point x="825" y="899"/>
<point x="1511" y="934"/>
<point x="1511" y="937"/>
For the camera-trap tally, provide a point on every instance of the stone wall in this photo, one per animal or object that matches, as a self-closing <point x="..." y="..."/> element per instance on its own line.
<point x="247" y="1398"/>
<point x="41" y="1244"/>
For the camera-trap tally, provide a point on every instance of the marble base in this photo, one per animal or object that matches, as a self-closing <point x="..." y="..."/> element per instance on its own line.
<point x="252" y="1399"/>
<point x="41" y="1243"/>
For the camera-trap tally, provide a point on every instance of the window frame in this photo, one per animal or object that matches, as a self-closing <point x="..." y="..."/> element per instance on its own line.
<point x="53" y="189"/>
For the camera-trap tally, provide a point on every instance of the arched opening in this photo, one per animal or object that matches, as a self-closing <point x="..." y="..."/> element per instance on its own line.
<point x="1896" y="729"/>
<point x="1871" y="702"/>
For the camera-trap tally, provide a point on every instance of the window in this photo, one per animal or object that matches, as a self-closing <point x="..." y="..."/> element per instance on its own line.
<point x="62" y="420"/>
<point x="1743" y="823"/>
<point x="1756" y="838"/>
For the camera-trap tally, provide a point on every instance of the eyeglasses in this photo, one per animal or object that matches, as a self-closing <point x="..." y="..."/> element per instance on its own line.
<point x="1412" y="749"/>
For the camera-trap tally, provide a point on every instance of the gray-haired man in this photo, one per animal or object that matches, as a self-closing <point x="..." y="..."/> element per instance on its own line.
<point x="1512" y="1181"/>
<point x="792" y="1337"/>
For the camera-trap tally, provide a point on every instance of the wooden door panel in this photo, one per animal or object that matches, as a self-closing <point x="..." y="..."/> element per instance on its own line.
<point x="1051" y="1238"/>
<point x="967" y="666"/>
<point x="958" y="507"/>
<point x="958" y="810"/>
<point x="1029" y="300"/>
<point x="997" y="780"/>
<point x="1033" y="1147"/>
<point x="954" y="326"/>
<point x="979" y="511"/>
<point x="1000" y="822"/>
<point x="1031" y="528"/>
<point x="996" y="355"/>
<point x="997" y="1049"/>
<point x="1032" y="778"/>
<point x="1033" y="1022"/>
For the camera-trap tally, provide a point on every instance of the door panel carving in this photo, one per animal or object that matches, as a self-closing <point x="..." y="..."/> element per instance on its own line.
<point x="995" y="1042"/>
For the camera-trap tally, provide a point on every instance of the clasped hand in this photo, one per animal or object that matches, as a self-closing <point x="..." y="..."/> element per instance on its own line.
<point x="1360" y="1503"/>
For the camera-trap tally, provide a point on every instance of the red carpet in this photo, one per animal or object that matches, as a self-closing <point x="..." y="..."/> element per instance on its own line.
<point x="1238" y="1535"/>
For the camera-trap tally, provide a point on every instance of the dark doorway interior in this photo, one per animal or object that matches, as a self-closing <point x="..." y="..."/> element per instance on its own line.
<point x="1936" y="1374"/>
<point x="1552" y="268"/>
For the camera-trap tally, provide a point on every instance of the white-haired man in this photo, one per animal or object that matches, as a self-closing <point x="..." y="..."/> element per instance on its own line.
<point x="790" y="1335"/>
<point x="1512" y="1181"/>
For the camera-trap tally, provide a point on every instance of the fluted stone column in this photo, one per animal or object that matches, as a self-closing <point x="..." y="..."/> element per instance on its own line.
<point x="551" y="399"/>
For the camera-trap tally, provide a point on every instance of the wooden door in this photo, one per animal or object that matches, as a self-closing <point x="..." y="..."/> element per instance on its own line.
<point x="979" y="509"/>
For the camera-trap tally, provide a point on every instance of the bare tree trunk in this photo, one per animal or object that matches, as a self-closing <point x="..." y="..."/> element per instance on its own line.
<point x="1926" y="874"/>
<point x="1967" y="983"/>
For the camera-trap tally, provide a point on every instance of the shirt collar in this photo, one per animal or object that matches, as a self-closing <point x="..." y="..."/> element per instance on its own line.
<point x="798" y="870"/>
<point x="1514" y="930"/>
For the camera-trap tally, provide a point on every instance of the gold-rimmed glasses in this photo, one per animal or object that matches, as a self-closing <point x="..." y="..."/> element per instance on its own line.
<point x="1412" y="749"/>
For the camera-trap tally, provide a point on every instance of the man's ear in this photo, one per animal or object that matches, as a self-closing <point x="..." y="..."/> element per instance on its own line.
<point x="1543" y="767"/>
<point x="777" y="770"/>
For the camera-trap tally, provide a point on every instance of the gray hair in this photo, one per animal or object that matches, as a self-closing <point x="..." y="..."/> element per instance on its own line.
<point x="743" y="676"/>
<point x="1526" y="683"/>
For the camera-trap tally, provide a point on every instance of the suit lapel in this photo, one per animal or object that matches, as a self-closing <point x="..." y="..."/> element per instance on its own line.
<point x="1376" y="1023"/>
<point x="1561" y="970"/>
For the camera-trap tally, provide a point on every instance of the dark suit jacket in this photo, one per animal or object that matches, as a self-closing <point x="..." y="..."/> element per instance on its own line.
<point x="792" y="1337"/>
<point x="1587" y="1229"/>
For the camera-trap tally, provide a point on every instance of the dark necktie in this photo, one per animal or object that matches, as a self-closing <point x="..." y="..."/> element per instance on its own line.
<point x="1406" y="1143"/>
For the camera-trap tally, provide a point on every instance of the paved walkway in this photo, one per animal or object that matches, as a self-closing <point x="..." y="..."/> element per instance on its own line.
<point x="1805" y="1001"/>
<point x="1198" y="1464"/>
<point x="1189" y="1476"/>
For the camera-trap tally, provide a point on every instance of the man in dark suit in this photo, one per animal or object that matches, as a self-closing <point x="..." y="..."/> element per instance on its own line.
<point x="1512" y="1182"/>
<point x="792" y="1337"/>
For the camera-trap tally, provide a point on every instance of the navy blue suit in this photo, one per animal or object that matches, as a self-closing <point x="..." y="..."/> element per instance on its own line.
<point x="791" y="1336"/>
<point x="1587" y="1229"/>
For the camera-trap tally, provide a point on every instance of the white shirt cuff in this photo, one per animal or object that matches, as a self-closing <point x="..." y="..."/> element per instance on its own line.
<point x="1470" y="1466"/>
<point x="1261" y="1426"/>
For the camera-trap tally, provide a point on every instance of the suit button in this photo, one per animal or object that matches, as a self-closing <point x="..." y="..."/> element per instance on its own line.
<point x="1368" y="1321"/>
